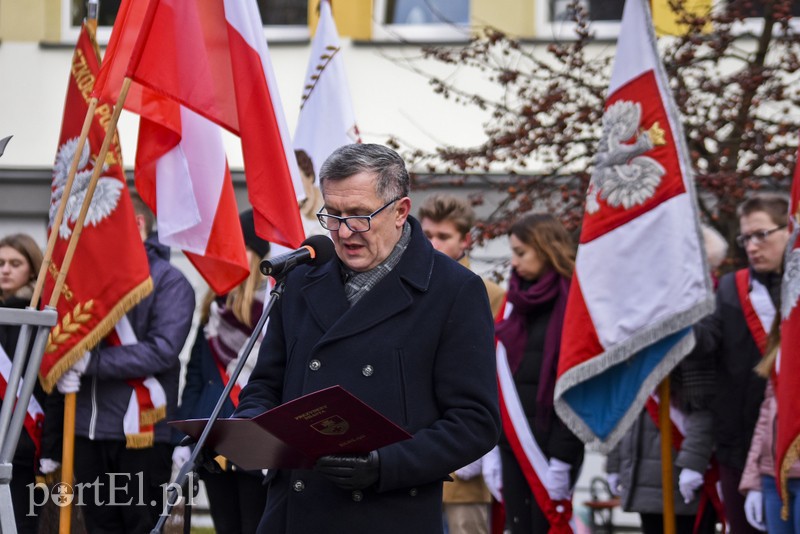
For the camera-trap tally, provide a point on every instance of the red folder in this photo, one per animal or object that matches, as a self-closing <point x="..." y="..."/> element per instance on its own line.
<point x="294" y="435"/>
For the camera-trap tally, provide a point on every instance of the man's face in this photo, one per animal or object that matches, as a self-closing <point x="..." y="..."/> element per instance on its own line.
<point x="445" y="237"/>
<point x="764" y="255"/>
<point x="362" y="251"/>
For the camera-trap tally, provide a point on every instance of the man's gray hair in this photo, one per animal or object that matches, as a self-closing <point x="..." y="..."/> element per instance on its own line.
<point x="392" y="176"/>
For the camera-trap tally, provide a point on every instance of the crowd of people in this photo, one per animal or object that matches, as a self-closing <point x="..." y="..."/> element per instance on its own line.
<point x="400" y="321"/>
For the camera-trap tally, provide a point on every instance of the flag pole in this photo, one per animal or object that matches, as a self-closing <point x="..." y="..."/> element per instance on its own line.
<point x="667" y="483"/>
<point x="67" y="455"/>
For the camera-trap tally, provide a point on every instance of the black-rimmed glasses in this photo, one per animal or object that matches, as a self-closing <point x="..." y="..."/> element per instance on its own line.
<point x="356" y="223"/>
<point x="757" y="237"/>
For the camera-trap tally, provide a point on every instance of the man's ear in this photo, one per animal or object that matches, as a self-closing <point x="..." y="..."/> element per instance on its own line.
<point x="141" y="224"/>
<point x="403" y="211"/>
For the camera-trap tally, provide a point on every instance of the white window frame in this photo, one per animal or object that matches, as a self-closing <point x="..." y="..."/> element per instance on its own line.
<point x="273" y="33"/>
<point x="414" y="33"/>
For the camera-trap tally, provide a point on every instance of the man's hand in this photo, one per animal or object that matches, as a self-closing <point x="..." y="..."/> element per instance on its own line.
<point x="613" y="484"/>
<point x="688" y="482"/>
<point x="754" y="510"/>
<point x="70" y="381"/>
<point x="350" y="471"/>
<point x="180" y="456"/>
<point x="557" y="480"/>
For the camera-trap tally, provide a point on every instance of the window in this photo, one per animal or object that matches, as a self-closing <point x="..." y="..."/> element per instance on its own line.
<point x="421" y="20"/>
<point x="555" y="21"/>
<point x="283" y="19"/>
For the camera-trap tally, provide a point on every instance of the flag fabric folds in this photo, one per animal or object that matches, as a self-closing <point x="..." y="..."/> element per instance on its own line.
<point x="109" y="273"/>
<point x="788" y="366"/>
<point x="212" y="59"/>
<point x="327" y="120"/>
<point x="641" y="278"/>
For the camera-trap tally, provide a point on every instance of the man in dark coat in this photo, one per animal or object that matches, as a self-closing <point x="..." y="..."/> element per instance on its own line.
<point x="400" y="326"/>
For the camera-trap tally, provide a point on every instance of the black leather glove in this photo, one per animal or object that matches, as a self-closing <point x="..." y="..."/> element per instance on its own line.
<point x="350" y="471"/>
<point x="205" y="458"/>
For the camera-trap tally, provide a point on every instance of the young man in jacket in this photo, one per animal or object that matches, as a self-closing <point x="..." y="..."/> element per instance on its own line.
<point x="395" y="324"/>
<point x="120" y="473"/>
<point x="735" y="336"/>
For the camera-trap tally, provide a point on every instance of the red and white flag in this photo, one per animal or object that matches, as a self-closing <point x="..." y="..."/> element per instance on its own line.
<point x="640" y="277"/>
<point x="327" y="120"/>
<point x="109" y="273"/>
<point x="181" y="169"/>
<point x="212" y="58"/>
<point x="788" y="363"/>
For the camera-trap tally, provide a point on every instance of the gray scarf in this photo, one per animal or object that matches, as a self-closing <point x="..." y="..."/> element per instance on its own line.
<point x="356" y="284"/>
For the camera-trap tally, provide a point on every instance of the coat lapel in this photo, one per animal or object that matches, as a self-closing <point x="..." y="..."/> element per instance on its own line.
<point x="325" y="296"/>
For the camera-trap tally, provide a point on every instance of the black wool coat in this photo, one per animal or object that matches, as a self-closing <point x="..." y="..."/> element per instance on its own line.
<point x="418" y="348"/>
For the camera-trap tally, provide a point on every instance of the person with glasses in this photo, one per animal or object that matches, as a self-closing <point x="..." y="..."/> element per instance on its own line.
<point x="403" y="328"/>
<point x="735" y="336"/>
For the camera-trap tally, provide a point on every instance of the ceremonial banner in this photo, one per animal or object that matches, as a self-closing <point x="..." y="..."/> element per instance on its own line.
<point x="211" y="57"/>
<point x="326" y="120"/>
<point x="109" y="273"/>
<point x="641" y="278"/>
<point x="788" y="365"/>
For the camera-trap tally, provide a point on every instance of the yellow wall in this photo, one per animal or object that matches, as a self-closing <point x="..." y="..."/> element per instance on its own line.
<point x="353" y="17"/>
<point x="21" y="21"/>
<point x="665" y="21"/>
<point x="511" y="16"/>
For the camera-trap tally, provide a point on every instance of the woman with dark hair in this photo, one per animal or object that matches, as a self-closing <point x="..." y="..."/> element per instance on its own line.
<point x="20" y="261"/>
<point x="542" y="261"/>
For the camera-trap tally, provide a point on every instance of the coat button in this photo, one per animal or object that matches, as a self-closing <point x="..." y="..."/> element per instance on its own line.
<point x="413" y="492"/>
<point x="367" y="370"/>
<point x="314" y="365"/>
<point x="298" y="486"/>
<point x="358" y="496"/>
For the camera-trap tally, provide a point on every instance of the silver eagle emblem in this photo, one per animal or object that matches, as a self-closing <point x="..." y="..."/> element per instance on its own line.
<point x="622" y="175"/>
<point x="106" y="195"/>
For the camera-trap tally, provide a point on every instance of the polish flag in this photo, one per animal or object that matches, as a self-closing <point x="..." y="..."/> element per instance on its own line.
<point x="181" y="169"/>
<point x="211" y="57"/>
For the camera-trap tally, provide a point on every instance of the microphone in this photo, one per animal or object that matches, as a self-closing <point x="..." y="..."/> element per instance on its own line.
<point x="315" y="250"/>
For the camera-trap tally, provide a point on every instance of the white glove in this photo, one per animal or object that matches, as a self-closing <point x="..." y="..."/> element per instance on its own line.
<point x="180" y="456"/>
<point x="47" y="466"/>
<point x="469" y="471"/>
<point x="557" y="480"/>
<point x="689" y="481"/>
<point x="613" y="484"/>
<point x="81" y="365"/>
<point x="754" y="510"/>
<point x="492" y="471"/>
<point x="70" y="382"/>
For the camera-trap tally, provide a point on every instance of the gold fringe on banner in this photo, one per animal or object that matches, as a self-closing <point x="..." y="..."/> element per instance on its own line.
<point x="792" y="455"/>
<point x="97" y="334"/>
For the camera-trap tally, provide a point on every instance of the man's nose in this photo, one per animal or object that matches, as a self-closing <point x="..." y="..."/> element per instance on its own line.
<point x="344" y="231"/>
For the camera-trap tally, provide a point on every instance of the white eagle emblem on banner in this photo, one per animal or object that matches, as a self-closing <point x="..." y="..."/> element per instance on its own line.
<point x="106" y="194"/>
<point x="622" y="175"/>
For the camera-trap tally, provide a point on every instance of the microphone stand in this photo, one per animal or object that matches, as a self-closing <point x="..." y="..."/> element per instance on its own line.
<point x="176" y="489"/>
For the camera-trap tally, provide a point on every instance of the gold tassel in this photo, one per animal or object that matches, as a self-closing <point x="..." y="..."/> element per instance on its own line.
<point x="152" y="416"/>
<point x="142" y="440"/>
